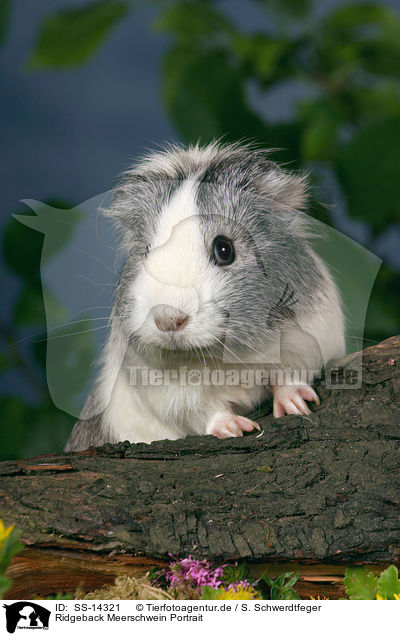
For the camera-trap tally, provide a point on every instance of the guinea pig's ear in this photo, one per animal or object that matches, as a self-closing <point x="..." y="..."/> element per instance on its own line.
<point x="124" y="201"/>
<point x="285" y="190"/>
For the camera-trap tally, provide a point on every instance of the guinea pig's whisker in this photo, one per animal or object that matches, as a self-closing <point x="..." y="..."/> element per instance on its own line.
<point x="242" y="343"/>
<point x="91" y="309"/>
<point x="245" y="344"/>
<point x="93" y="282"/>
<point x="109" y="307"/>
<point x="44" y="332"/>
<point x="361" y="339"/>
<point x="96" y="258"/>
<point x="202" y="355"/>
<point x="75" y="333"/>
<point x="211" y="354"/>
<point x="225" y="346"/>
<point x="74" y="322"/>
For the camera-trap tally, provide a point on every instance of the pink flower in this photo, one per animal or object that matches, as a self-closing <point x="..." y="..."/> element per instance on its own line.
<point x="243" y="584"/>
<point x="194" y="572"/>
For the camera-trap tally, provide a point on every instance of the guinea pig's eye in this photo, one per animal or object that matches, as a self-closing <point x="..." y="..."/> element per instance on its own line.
<point x="146" y="251"/>
<point x="223" y="252"/>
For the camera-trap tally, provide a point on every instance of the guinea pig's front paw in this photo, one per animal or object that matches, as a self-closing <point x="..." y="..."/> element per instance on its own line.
<point x="290" y="400"/>
<point x="226" y="424"/>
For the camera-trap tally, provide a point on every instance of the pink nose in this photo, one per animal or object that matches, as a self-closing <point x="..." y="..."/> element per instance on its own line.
<point x="167" y="322"/>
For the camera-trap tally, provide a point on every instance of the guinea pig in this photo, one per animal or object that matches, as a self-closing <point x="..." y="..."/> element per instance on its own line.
<point x="219" y="280"/>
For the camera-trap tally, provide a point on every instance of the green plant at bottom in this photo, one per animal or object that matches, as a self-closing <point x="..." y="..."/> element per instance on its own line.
<point x="10" y="546"/>
<point x="364" y="585"/>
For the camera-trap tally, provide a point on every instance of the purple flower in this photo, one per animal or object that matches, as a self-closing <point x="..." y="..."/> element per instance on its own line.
<point x="239" y="585"/>
<point x="194" y="572"/>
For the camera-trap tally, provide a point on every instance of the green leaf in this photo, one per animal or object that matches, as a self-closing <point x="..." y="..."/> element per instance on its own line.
<point x="5" y="584"/>
<point x="205" y="98"/>
<point x="266" y="57"/>
<point x="383" y="317"/>
<point x="11" y="548"/>
<point x="189" y="20"/>
<point x="368" y="168"/>
<point x="368" y="35"/>
<point x="4" y="361"/>
<point x="209" y="593"/>
<point x="29" y="309"/>
<point x="39" y="349"/>
<point x="22" y="243"/>
<point x="31" y="430"/>
<point x="292" y="577"/>
<point x="281" y="588"/>
<point x="360" y="584"/>
<point x="320" y="131"/>
<point x="380" y="102"/>
<point x="234" y="573"/>
<point x="47" y="432"/>
<point x="347" y="18"/>
<point x="17" y="417"/>
<point x="382" y="56"/>
<point x="381" y="321"/>
<point x="288" y="8"/>
<point x="22" y="249"/>
<point x="69" y="37"/>
<point x="388" y="583"/>
<point x="5" y="11"/>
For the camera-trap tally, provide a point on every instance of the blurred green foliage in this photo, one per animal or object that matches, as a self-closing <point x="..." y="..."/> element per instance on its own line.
<point x="346" y="125"/>
<point x="5" y="10"/>
<point x="37" y="426"/>
<point x="70" y="36"/>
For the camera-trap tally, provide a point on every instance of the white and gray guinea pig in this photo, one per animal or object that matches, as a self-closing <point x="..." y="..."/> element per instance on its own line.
<point x="219" y="278"/>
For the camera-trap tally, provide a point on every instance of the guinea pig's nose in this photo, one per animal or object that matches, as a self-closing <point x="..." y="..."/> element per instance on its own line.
<point x="168" y="322"/>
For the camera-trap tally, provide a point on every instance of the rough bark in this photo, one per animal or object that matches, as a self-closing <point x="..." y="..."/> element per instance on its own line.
<point x="312" y="493"/>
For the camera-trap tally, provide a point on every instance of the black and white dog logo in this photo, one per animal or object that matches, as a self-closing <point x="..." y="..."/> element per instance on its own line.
<point x="26" y="615"/>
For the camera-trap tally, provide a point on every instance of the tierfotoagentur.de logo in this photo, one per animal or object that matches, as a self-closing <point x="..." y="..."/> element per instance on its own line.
<point x="26" y="615"/>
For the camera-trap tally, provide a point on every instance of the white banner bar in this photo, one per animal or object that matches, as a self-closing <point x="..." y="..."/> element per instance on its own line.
<point x="175" y="617"/>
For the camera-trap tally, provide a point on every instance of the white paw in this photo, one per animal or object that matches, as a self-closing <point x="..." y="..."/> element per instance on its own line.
<point x="227" y="424"/>
<point x="291" y="400"/>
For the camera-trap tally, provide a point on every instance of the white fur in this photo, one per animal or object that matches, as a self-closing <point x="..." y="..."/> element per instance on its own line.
<point x="160" y="161"/>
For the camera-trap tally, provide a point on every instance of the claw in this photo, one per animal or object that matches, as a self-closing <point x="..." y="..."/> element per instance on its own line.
<point x="226" y="424"/>
<point x="291" y="400"/>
